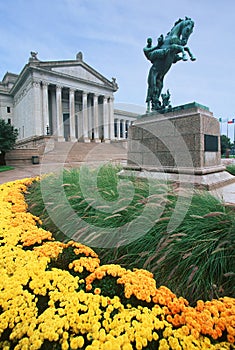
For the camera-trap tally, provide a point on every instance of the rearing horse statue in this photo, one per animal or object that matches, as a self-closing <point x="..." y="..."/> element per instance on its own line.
<point x="169" y="50"/>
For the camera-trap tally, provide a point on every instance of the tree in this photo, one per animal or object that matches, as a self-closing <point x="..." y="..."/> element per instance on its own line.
<point x="8" y="136"/>
<point x="225" y="143"/>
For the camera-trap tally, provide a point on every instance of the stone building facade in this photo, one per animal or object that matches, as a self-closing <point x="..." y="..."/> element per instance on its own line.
<point x="67" y="99"/>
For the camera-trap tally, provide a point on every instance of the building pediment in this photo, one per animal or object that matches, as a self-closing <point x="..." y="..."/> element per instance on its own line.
<point x="78" y="69"/>
<point x="72" y="69"/>
<point x="80" y="72"/>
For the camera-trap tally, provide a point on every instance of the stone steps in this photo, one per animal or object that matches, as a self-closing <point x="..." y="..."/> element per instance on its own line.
<point x="69" y="153"/>
<point x="84" y="152"/>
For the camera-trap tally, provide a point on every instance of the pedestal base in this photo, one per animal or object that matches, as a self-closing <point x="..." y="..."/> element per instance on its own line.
<point x="207" y="181"/>
<point x="180" y="146"/>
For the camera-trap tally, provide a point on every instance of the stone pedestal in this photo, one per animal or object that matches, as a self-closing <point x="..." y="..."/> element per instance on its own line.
<point x="185" y="140"/>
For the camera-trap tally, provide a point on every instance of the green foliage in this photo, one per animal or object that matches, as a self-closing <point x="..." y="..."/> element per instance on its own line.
<point x="8" y="136"/>
<point x="225" y="143"/>
<point x="64" y="259"/>
<point x="231" y="168"/>
<point x="196" y="260"/>
<point x="5" y="168"/>
<point x="90" y="197"/>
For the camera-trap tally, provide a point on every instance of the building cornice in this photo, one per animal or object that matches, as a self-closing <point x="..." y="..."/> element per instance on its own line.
<point x="48" y="65"/>
<point x="4" y="92"/>
<point x="125" y="113"/>
<point x="108" y="84"/>
<point x="45" y="67"/>
<point x="22" y="77"/>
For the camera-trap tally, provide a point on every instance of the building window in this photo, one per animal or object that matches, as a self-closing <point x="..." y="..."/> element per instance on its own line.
<point x="9" y="120"/>
<point x="115" y="128"/>
<point x="8" y="109"/>
<point x="121" y="129"/>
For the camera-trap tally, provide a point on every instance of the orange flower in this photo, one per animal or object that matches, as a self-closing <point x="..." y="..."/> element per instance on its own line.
<point x="49" y="249"/>
<point x="88" y="287"/>
<point x="231" y="338"/>
<point x="97" y="291"/>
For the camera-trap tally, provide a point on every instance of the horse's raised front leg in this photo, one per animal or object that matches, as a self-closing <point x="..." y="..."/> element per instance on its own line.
<point x="190" y="53"/>
<point x="184" y="57"/>
<point x="178" y="49"/>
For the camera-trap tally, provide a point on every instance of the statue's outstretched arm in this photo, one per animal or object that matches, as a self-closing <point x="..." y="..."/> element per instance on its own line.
<point x="150" y="49"/>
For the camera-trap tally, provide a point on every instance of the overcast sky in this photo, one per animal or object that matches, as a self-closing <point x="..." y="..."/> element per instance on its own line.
<point x="112" y="33"/>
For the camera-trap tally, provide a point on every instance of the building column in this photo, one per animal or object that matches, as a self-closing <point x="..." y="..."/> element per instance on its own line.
<point x="45" y="110"/>
<point x="106" y="125"/>
<point x="128" y="125"/>
<point x="123" y="127"/>
<point x="53" y="113"/>
<point x="37" y="108"/>
<point x="85" y="117"/>
<point x="72" y="115"/>
<point x="111" y="118"/>
<point x="96" y="118"/>
<point x="90" y="118"/>
<point x="59" y="114"/>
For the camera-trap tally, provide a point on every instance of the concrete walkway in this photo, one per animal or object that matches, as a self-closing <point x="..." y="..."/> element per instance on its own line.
<point x="225" y="193"/>
<point x="20" y="172"/>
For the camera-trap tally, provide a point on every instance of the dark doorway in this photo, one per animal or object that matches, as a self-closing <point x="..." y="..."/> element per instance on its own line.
<point x="66" y="126"/>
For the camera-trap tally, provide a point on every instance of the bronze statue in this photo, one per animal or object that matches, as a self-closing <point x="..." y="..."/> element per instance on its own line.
<point x="34" y="55"/>
<point x="163" y="55"/>
<point x="166" y="100"/>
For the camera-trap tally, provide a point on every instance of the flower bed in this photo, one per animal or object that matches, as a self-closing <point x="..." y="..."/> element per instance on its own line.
<point x="58" y="296"/>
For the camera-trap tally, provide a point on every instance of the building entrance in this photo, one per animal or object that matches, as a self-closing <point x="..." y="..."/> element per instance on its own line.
<point x="66" y="126"/>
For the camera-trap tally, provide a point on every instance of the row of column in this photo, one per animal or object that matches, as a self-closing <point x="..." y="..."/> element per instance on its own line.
<point x="89" y="116"/>
<point x="121" y="127"/>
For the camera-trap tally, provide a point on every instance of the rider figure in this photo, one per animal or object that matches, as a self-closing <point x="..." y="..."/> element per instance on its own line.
<point x="163" y="55"/>
<point x="154" y="80"/>
<point x="153" y="52"/>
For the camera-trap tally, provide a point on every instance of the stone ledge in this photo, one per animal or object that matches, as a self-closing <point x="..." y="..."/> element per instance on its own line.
<point x="209" y="181"/>
<point x="178" y="111"/>
<point x="178" y="170"/>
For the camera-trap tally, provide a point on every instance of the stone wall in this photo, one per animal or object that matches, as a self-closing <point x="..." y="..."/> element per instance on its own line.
<point x="176" y="141"/>
<point x="22" y="156"/>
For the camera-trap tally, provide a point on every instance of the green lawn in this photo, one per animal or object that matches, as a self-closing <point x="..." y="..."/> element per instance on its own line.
<point x="231" y="168"/>
<point x="5" y="168"/>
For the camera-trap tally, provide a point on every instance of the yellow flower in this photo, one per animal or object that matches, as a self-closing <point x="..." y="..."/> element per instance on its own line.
<point x="41" y="304"/>
<point x="163" y="345"/>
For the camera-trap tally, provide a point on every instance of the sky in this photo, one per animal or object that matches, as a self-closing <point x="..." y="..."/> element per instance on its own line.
<point x="111" y="34"/>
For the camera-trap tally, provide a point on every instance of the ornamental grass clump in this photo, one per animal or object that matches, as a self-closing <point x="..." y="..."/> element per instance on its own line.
<point x="231" y="168"/>
<point x="46" y="303"/>
<point x="195" y="259"/>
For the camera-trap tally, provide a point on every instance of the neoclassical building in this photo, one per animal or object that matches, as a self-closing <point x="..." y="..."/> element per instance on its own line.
<point x="67" y="99"/>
